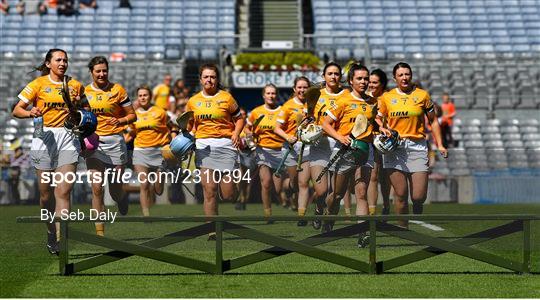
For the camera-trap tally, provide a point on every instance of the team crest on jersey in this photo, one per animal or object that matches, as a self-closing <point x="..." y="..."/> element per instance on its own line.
<point x="47" y="90"/>
<point x="89" y="97"/>
<point x="198" y="104"/>
<point x="415" y="99"/>
<point x="354" y="106"/>
<point x="321" y="100"/>
<point x="394" y="101"/>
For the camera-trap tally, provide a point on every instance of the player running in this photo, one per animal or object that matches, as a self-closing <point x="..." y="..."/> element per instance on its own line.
<point x="218" y="124"/>
<point x="54" y="149"/>
<point x="268" y="146"/>
<point x="151" y="134"/>
<point x="357" y="162"/>
<point x="114" y="111"/>
<point x="377" y="86"/>
<point x="319" y="155"/>
<point x="404" y="108"/>
<point x="288" y="119"/>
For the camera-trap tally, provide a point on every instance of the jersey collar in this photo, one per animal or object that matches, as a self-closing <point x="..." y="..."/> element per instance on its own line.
<point x="332" y="94"/>
<point x="207" y="96"/>
<point x="297" y="101"/>
<point x="271" y="110"/>
<point x="55" y="82"/>
<point x="357" y="98"/>
<point x="402" y="93"/>
<point x="95" y="88"/>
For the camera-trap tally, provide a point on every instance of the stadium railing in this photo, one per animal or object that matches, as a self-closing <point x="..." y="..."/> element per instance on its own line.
<point x="280" y="246"/>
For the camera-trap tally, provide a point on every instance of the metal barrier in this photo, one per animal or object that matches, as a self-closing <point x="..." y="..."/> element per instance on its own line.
<point x="280" y="246"/>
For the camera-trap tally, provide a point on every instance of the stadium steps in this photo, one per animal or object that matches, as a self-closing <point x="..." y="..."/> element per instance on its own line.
<point x="276" y="20"/>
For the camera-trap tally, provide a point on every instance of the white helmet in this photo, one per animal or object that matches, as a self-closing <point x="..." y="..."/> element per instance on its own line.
<point x="386" y="144"/>
<point x="310" y="134"/>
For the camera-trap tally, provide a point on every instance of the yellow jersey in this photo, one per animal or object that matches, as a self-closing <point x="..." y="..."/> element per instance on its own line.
<point x="405" y="112"/>
<point x="213" y="115"/>
<point x="151" y="128"/>
<point x="327" y="101"/>
<point x="346" y="111"/>
<point x="290" y="112"/>
<point x="46" y="94"/>
<point x="266" y="137"/>
<point x="106" y="104"/>
<point x="161" y="93"/>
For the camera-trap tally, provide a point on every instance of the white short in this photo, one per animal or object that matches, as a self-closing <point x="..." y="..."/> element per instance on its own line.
<point x="248" y="159"/>
<point x="348" y="162"/>
<point x="112" y="150"/>
<point x="268" y="157"/>
<point x="57" y="147"/>
<point x="410" y="156"/>
<point x="320" y="152"/>
<point x="292" y="158"/>
<point x="216" y="154"/>
<point x="149" y="157"/>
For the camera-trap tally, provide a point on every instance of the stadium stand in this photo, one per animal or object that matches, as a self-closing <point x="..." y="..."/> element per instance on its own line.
<point x="149" y="28"/>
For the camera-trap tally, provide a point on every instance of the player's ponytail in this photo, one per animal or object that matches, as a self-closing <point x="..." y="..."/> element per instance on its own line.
<point x="42" y="68"/>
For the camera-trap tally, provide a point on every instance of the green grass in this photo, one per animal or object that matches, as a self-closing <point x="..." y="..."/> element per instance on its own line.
<point x="27" y="270"/>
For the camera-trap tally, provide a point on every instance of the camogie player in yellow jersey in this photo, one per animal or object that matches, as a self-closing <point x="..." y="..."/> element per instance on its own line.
<point x="248" y="164"/>
<point x="404" y="109"/>
<point x="162" y="92"/>
<point x="151" y="134"/>
<point x="218" y="124"/>
<point x="286" y="127"/>
<point x="377" y="86"/>
<point x="53" y="149"/>
<point x="319" y="154"/>
<point x="112" y="106"/>
<point x="357" y="162"/>
<point x="268" y="146"/>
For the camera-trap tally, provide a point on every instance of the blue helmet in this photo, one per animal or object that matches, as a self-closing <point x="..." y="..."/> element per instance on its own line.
<point x="182" y="144"/>
<point x="84" y="123"/>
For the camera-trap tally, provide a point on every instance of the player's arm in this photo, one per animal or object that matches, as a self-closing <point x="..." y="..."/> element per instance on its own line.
<point x="328" y="127"/>
<point x="238" y="120"/>
<point x="382" y="112"/>
<point x="25" y="99"/>
<point x="239" y="124"/>
<point x="436" y="132"/>
<point x="291" y="139"/>
<point x="129" y="117"/>
<point x="20" y="111"/>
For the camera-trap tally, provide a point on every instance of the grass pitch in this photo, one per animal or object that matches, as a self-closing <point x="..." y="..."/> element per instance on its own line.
<point x="28" y="270"/>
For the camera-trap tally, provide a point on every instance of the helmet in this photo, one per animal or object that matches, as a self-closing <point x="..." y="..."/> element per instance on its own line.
<point x="83" y="123"/>
<point x="182" y="144"/>
<point x="358" y="152"/>
<point x="167" y="154"/>
<point x="310" y="134"/>
<point x="386" y="144"/>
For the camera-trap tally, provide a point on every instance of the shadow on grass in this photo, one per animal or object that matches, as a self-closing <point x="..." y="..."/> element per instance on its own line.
<point x="300" y="273"/>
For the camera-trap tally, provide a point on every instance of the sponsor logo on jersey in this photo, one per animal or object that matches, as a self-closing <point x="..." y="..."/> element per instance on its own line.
<point x="399" y="114"/>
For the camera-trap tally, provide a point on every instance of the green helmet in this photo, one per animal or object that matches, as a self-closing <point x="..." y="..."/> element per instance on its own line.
<point x="360" y="150"/>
